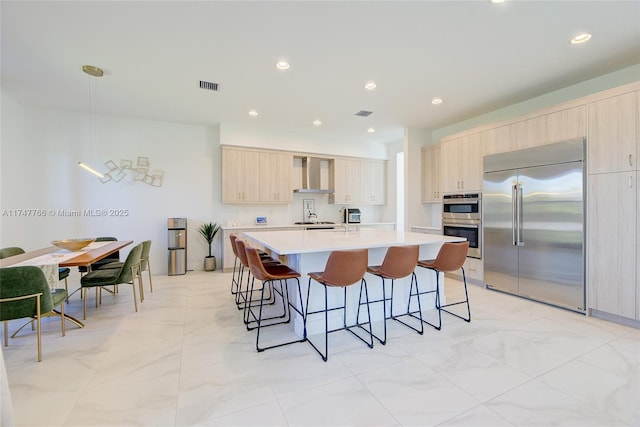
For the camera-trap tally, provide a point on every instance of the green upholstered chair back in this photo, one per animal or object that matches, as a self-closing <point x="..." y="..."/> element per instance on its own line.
<point x="7" y="252"/>
<point x="20" y="281"/>
<point x="144" y="258"/>
<point x="132" y="259"/>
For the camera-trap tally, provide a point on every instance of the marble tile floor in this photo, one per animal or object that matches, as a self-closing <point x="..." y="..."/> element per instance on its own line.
<point x="186" y="359"/>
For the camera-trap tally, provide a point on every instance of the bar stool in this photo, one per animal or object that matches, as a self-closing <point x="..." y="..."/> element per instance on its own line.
<point x="451" y="257"/>
<point x="238" y="266"/>
<point x="269" y="275"/>
<point x="235" y="284"/>
<point x="343" y="269"/>
<point x="399" y="262"/>
<point x="242" y="295"/>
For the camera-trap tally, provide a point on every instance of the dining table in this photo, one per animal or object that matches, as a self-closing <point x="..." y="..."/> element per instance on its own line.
<point x="49" y="259"/>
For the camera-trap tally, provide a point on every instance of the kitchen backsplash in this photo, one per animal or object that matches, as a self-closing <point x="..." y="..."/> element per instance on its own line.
<point x="288" y="214"/>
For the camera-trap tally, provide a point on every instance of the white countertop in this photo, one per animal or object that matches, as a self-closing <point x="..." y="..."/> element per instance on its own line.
<point x="303" y="226"/>
<point x="287" y="242"/>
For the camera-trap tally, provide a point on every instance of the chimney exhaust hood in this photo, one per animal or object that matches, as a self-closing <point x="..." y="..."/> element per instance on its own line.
<point x="311" y="177"/>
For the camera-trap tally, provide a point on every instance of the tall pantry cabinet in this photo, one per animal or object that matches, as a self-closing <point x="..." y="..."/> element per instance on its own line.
<point x="613" y="240"/>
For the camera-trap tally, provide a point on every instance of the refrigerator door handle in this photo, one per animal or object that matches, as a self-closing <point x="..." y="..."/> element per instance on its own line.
<point x="520" y="233"/>
<point x="514" y="214"/>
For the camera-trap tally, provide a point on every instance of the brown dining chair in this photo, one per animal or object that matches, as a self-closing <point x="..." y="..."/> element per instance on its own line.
<point x="399" y="262"/>
<point x="343" y="269"/>
<point x="451" y="257"/>
<point x="269" y="276"/>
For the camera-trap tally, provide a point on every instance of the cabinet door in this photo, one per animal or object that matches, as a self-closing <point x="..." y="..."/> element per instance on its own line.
<point x="449" y="156"/>
<point x="240" y="183"/>
<point x="611" y="243"/>
<point x="566" y="124"/>
<point x="497" y="140"/>
<point x="431" y="174"/>
<point x="470" y="157"/>
<point x="612" y="142"/>
<point x="347" y="176"/>
<point x="275" y="177"/>
<point x="374" y="182"/>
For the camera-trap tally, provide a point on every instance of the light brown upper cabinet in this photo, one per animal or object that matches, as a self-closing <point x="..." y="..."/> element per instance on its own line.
<point x="358" y="181"/>
<point x="275" y="177"/>
<point x="250" y="176"/>
<point x="431" y="174"/>
<point x="240" y="182"/>
<point x="541" y="130"/>
<point x="613" y="134"/>
<point x="461" y="163"/>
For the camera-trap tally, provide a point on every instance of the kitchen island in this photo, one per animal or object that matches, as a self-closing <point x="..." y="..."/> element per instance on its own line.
<point x="307" y="251"/>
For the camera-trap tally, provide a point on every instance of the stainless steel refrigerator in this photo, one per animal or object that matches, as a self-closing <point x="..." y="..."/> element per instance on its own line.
<point x="177" y="246"/>
<point x="533" y="222"/>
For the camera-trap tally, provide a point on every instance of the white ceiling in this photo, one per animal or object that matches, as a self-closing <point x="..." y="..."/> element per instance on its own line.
<point x="476" y="55"/>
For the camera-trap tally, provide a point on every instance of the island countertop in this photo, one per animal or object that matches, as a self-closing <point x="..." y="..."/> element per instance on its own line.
<point x="308" y="250"/>
<point x="314" y="241"/>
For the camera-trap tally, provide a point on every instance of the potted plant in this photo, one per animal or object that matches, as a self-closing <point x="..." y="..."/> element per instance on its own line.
<point x="208" y="232"/>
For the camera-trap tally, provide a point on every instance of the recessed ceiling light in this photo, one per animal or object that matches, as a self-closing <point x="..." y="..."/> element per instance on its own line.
<point x="253" y="113"/>
<point x="497" y="1"/>
<point x="371" y="130"/>
<point x="370" y="86"/>
<point x="282" y="65"/>
<point x="581" y="38"/>
<point x="317" y="122"/>
<point x="436" y="101"/>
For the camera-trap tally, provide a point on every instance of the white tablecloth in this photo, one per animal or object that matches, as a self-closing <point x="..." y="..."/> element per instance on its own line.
<point x="49" y="263"/>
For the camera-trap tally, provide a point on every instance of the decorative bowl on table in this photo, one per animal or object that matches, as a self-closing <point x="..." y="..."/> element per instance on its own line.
<point x="73" y="244"/>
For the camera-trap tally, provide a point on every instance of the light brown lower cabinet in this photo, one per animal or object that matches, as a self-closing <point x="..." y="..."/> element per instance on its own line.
<point x="612" y="244"/>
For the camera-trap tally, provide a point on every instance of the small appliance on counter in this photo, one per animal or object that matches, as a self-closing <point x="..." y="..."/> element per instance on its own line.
<point x="351" y="216"/>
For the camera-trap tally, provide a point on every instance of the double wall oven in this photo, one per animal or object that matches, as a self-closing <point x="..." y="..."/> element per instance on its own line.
<point x="462" y="217"/>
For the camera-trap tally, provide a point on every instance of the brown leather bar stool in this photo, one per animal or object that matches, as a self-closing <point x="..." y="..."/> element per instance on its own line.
<point x="343" y="269"/>
<point x="451" y="257"/>
<point x="268" y="275"/>
<point x="235" y="283"/>
<point x="238" y="266"/>
<point x="399" y="262"/>
<point x="242" y="295"/>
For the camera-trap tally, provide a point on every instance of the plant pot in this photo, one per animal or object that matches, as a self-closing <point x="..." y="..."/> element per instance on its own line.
<point x="209" y="263"/>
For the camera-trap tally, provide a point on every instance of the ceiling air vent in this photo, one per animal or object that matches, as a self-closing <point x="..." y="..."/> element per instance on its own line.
<point x="364" y="113"/>
<point x="209" y="86"/>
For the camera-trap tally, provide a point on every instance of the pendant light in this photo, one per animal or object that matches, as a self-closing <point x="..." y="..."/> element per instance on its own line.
<point x="94" y="72"/>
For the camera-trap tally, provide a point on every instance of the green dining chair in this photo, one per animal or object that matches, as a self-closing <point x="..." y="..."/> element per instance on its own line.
<point x="114" y="257"/>
<point x="126" y="274"/>
<point x="144" y="265"/>
<point x="25" y="293"/>
<point x="10" y="251"/>
<point x="63" y="272"/>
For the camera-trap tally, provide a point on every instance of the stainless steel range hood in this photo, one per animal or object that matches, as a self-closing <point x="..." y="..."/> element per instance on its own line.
<point x="311" y="177"/>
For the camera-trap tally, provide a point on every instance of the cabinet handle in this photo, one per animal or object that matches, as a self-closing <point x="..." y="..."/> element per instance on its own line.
<point x="630" y="160"/>
<point x="630" y="182"/>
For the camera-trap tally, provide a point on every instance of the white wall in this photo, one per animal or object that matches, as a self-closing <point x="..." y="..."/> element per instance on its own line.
<point x="281" y="139"/>
<point x="40" y="150"/>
